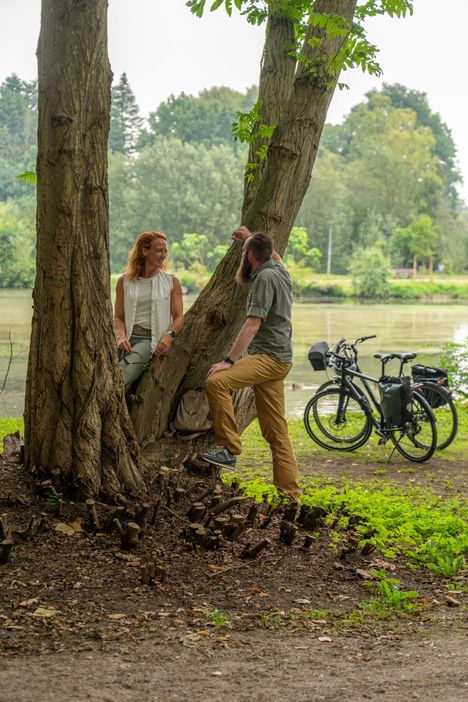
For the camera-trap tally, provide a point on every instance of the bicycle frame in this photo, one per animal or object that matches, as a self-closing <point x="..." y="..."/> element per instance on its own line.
<point x="362" y="399"/>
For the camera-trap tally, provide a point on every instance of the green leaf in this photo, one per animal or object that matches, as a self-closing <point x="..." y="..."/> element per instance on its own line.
<point x="215" y="5"/>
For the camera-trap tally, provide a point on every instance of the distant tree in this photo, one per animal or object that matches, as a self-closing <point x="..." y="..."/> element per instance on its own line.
<point x="206" y="119"/>
<point x="18" y="129"/>
<point x="299" y="251"/>
<point x="17" y="242"/>
<point x="444" y="148"/>
<point x="126" y="123"/>
<point x="417" y="242"/>
<point x="326" y="211"/>
<point x="176" y="188"/>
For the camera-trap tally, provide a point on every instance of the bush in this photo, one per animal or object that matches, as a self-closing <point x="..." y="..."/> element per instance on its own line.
<point x="455" y="361"/>
<point x="370" y="270"/>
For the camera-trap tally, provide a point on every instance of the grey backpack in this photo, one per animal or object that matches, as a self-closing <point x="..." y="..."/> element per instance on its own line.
<point x="192" y="417"/>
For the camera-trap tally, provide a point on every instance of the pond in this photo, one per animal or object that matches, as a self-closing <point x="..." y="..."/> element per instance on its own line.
<point x="423" y="328"/>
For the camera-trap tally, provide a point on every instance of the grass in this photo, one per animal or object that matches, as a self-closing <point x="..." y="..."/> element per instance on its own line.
<point x="406" y="520"/>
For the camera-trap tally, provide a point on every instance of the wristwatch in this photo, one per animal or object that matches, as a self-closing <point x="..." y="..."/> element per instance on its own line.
<point x="172" y="333"/>
<point x="226" y="359"/>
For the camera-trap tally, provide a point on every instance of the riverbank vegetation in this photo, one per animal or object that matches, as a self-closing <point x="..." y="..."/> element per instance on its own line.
<point x="383" y="189"/>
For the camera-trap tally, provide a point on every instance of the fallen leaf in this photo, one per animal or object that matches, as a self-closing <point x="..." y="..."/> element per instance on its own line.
<point x="382" y="564"/>
<point x="216" y="567"/>
<point x="76" y="525"/>
<point x="203" y="632"/>
<point x="116" y="615"/>
<point x="63" y="528"/>
<point x="28" y="603"/>
<point x="324" y="638"/>
<point x="44" y="612"/>
<point x="451" y="601"/>
<point x="302" y="600"/>
<point x="365" y="574"/>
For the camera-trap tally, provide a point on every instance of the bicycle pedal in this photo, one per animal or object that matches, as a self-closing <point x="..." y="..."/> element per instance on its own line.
<point x="382" y="441"/>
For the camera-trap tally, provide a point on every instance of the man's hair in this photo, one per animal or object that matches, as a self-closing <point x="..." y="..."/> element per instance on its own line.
<point x="261" y="245"/>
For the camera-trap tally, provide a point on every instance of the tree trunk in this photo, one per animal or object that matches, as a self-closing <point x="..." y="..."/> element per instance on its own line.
<point x="296" y="99"/>
<point x="77" y="428"/>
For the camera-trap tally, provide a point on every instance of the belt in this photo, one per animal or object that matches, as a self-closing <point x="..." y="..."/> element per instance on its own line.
<point x="142" y="331"/>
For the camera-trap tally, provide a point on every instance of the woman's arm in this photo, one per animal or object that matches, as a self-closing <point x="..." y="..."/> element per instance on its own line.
<point x="177" y="313"/>
<point x="119" y="317"/>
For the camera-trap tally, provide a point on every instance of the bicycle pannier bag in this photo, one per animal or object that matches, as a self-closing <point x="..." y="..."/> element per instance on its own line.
<point x="395" y="399"/>
<point x="434" y="375"/>
<point x="192" y="416"/>
<point x="318" y="355"/>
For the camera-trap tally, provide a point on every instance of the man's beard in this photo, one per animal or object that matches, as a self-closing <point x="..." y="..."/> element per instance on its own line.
<point x="244" y="271"/>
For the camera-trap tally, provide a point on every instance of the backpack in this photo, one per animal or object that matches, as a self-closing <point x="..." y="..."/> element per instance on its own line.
<point x="192" y="415"/>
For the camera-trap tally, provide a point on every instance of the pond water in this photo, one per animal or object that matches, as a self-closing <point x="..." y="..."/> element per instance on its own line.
<point x="423" y="328"/>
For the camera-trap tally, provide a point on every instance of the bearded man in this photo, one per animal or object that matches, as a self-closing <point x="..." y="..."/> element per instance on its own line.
<point x="266" y="335"/>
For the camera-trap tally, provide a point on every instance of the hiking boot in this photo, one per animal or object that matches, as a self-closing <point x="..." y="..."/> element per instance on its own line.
<point x="220" y="457"/>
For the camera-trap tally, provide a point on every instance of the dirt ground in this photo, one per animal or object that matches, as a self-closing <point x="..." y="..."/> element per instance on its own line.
<point x="79" y="621"/>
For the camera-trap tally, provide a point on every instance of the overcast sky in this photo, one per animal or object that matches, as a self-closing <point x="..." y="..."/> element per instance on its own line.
<point x="164" y="49"/>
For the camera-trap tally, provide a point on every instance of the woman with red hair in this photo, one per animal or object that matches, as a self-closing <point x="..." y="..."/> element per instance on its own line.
<point x="148" y="306"/>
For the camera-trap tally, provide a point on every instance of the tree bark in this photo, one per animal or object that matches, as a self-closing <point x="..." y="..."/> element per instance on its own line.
<point x="77" y="428"/>
<point x="296" y="99"/>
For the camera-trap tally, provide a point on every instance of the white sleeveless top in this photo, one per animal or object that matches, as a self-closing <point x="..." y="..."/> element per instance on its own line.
<point x="160" y="308"/>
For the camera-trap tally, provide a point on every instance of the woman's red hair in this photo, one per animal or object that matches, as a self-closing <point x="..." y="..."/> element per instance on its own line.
<point x="136" y="260"/>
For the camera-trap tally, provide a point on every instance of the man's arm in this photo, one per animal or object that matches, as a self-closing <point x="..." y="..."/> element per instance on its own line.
<point x="245" y="336"/>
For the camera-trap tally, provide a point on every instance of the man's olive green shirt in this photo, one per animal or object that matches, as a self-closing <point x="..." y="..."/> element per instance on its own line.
<point x="270" y="298"/>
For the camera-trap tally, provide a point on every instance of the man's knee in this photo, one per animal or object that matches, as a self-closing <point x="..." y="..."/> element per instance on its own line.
<point x="214" y="384"/>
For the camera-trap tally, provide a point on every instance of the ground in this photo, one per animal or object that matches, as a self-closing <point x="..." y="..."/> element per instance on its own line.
<point x="295" y="623"/>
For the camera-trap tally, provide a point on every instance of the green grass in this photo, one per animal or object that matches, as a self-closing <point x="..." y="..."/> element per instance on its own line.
<point x="407" y="520"/>
<point x="308" y="284"/>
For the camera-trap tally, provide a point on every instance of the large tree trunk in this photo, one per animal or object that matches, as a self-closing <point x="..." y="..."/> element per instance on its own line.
<point x="77" y="428"/>
<point x="296" y="99"/>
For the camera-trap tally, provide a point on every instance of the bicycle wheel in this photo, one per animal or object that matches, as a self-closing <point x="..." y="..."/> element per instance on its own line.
<point x="335" y="421"/>
<point x="416" y="440"/>
<point x="445" y="412"/>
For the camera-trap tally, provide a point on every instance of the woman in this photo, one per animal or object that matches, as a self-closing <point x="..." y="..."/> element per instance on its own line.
<point x="148" y="307"/>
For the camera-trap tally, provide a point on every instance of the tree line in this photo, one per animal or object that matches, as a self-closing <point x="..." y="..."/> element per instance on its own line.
<point x="385" y="180"/>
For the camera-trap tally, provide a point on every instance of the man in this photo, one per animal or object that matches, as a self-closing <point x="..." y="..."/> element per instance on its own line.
<point x="266" y="335"/>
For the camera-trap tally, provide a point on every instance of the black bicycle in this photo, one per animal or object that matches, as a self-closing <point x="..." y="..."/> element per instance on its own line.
<point x="431" y="383"/>
<point x="341" y="417"/>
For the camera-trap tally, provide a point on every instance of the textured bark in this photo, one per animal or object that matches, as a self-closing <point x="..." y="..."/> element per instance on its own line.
<point x="77" y="428"/>
<point x="271" y="204"/>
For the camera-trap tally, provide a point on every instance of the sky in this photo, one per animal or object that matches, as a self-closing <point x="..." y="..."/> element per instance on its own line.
<point x="165" y="50"/>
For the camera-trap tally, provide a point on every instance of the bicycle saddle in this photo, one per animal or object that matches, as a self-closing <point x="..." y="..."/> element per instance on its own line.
<point x="405" y="357"/>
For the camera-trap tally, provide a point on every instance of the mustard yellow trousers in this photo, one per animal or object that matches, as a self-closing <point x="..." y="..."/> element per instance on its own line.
<point x="266" y="374"/>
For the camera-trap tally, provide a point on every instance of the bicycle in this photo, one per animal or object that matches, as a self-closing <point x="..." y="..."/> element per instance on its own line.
<point x="431" y="384"/>
<point x="342" y="417"/>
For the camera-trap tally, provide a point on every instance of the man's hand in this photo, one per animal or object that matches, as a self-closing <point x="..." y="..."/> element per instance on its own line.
<point x="163" y="346"/>
<point x="241" y="234"/>
<point x="123" y="344"/>
<point x="216" y="367"/>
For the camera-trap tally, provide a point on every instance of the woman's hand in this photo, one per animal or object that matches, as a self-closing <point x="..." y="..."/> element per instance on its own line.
<point x="123" y="344"/>
<point x="163" y="346"/>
